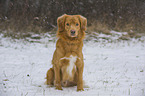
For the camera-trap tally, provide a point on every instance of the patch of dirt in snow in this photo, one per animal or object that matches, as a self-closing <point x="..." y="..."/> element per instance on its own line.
<point x="111" y="68"/>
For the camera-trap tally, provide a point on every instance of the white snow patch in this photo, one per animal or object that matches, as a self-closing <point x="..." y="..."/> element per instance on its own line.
<point x="111" y="69"/>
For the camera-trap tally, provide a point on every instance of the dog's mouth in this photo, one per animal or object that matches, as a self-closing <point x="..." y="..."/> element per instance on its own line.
<point x="73" y="35"/>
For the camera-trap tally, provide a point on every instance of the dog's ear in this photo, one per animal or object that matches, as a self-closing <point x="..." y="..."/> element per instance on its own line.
<point x="60" y="22"/>
<point x="83" y="22"/>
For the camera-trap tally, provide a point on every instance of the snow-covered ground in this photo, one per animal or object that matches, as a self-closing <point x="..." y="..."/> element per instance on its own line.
<point x="111" y="69"/>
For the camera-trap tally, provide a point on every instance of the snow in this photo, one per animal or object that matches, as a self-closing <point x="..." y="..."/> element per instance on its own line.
<point x="111" y="69"/>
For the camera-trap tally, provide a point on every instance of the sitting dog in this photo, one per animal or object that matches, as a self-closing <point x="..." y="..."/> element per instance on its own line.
<point x="67" y="59"/>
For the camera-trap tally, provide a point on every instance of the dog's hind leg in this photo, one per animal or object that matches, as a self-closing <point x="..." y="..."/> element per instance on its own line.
<point x="50" y="77"/>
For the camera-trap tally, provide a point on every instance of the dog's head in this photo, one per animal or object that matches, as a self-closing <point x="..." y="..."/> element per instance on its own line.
<point x="71" y="25"/>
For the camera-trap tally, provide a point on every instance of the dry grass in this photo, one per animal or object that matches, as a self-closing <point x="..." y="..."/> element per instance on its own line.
<point x="99" y="28"/>
<point x="124" y="27"/>
<point x="18" y="29"/>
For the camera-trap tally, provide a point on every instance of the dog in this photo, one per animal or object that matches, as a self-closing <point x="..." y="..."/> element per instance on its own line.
<point x="67" y="59"/>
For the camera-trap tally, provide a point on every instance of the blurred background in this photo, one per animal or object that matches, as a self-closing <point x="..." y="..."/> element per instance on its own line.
<point x="20" y="17"/>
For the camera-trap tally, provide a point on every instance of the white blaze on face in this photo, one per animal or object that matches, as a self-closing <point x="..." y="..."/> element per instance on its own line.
<point x="72" y="60"/>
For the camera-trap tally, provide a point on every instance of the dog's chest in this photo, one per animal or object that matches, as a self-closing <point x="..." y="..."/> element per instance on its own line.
<point x="71" y="65"/>
<point x="71" y="47"/>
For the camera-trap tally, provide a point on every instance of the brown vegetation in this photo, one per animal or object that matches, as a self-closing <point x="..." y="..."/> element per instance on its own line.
<point x="38" y="16"/>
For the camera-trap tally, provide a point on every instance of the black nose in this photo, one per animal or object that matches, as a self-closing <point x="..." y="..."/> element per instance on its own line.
<point x="72" y="32"/>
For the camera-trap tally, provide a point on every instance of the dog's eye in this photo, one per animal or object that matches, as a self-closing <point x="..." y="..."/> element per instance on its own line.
<point x="67" y="24"/>
<point x="77" y="24"/>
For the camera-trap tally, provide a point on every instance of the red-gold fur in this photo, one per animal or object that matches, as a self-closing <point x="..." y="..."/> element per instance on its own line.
<point x="71" y="32"/>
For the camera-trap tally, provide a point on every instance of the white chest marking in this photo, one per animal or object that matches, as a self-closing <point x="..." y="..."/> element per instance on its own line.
<point x="72" y="60"/>
<point x="71" y="64"/>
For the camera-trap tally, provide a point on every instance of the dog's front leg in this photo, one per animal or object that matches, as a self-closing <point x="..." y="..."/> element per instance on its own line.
<point x="57" y="81"/>
<point x="80" y="67"/>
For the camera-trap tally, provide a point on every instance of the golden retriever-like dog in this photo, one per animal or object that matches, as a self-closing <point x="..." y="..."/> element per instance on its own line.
<point x="67" y="59"/>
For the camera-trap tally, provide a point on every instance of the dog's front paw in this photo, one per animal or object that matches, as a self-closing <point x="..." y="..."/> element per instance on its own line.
<point x="80" y="89"/>
<point x="80" y="86"/>
<point x="58" y="87"/>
